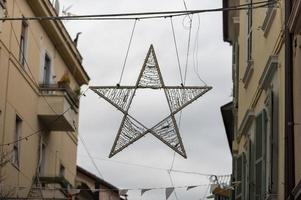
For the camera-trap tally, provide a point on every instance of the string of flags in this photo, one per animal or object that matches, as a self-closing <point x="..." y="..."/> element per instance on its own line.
<point x="123" y="192"/>
<point x="214" y="181"/>
<point x="168" y="190"/>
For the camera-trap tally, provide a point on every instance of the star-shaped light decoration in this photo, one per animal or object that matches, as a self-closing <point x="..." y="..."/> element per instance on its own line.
<point x="167" y="129"/>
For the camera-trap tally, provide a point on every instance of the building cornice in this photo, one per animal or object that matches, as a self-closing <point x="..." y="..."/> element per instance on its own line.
<point x="268" y="72"/>
<point x="246" y="122"/>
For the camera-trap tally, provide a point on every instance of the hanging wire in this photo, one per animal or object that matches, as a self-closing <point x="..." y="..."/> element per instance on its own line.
<point x="195" y="53"/>
<point x="90" y="156"/>
<point x="156" y="168"/>
<point x="172" y="184"/>
<point x="127" y="52"/>
<point x="183" y="83"/>
<point x="188" y="51"/>
<point x="176" y="47"/>
<point x="131" y="16"/>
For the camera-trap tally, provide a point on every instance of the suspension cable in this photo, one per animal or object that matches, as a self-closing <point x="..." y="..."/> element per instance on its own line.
<point x="188" y="51"/>
<point x="127" y="52"/>
<point x="176" y="47"/>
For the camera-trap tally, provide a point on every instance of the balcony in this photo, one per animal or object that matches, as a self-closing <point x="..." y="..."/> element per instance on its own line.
<point x="58" y="107"/>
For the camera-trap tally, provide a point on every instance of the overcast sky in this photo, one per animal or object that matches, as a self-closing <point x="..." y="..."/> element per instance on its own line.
<point x="103" y="46"/>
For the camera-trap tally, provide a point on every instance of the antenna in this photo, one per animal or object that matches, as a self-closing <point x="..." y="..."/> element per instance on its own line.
<point x="57" y="6"/>
<point x="65" y="10"/>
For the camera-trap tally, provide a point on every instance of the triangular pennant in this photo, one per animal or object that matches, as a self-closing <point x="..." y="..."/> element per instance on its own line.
<point x="118" y="97"/>
<point x="150" y="75"/>
<point x="167" y="131"/>
<point x="130" y="130"/>
<point x="144" y="190"/>
<point x="190" y="187"/>
<point x="168" y="192"/>
<point x="179" y="97"/>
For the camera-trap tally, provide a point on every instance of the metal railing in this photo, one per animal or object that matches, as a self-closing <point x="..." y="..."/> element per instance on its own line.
<point x="60" y="87"/>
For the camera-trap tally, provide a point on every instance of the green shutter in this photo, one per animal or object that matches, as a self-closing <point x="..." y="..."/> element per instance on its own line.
<point x="251" y="170"/>
<point x="273" y="107"/>
<point x="260" y="157"/>
<point x="244" y="176"/>
<point x="239" y="172"/>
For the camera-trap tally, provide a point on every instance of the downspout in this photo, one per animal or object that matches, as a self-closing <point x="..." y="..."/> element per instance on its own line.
<point x="289" y="117"/>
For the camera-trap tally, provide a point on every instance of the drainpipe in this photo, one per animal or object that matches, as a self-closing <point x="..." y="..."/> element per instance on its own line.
<point x="289" y="115"/>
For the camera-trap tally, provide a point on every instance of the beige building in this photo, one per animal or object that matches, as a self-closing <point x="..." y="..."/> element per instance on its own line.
<point x="93" y="187"/>
<point x="259" y="96"/>
<point x="41" y="74"/>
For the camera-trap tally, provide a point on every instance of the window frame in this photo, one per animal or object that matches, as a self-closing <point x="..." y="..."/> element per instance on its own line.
<point x="260" y="157"/>
<point x="249" y="13"/>
<point x="47" y="63"/>
<point x="239" y="177"/>
<point x="23" y="43"/>
<point x="43" y="153"/>
<point x="17" y="143"/>
<point x="62" y="170"/>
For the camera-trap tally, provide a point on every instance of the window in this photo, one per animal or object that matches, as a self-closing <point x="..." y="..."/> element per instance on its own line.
<point x="272" y="107"/>
<point x="239" y="179"/>
<point x="235" y="72"/>
<point x="16" y="147"/>
<point x="249" y="30"/>
<point x="251" y="178"/>
<point x="42" y="163"/>
<point x="23" y="43"/>
<point x="47" y="70"/>
<point x="62" y="171"/>
<point x="260" y="156"/>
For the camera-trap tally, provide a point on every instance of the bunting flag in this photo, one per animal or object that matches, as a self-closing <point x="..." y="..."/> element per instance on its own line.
<point x="144" y="190"/>
<point x="169" y="191"/>
<point x="191" y="187"/>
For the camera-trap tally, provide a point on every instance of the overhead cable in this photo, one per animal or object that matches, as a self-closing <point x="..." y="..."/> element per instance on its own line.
<point x="144" y="15"/>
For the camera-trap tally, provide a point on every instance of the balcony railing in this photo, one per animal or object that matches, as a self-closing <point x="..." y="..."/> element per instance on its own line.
<point x="59" y="89"/>
<point x="58" y="107"/>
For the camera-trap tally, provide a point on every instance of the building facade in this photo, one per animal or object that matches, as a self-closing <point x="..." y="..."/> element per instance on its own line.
<point x="294" y="31"/>
<point x="41" y="74"/>
<point x="93" y="187"/>
<point x="257" y="37"/>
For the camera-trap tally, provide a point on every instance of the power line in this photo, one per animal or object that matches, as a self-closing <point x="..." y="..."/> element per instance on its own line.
<point x="91" y="158"/>
<point x="145" y="15"/>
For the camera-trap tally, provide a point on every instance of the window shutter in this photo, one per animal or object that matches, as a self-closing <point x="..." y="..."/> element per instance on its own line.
<point x="239" y="172"/>
<point x="251" y="158"/>
<point x="260" y="146"/>
<point x="273" y="118"/>
<point x="244" y="176"/>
